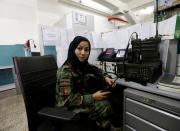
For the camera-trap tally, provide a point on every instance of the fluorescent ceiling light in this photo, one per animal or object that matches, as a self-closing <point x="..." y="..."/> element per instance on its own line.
<point x="147" y="10"/>
<point x="94" y="5"/>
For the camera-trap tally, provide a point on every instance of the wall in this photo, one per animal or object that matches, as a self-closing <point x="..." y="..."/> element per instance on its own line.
<point x="50" y="12"/>
<point x="18" y="21"/>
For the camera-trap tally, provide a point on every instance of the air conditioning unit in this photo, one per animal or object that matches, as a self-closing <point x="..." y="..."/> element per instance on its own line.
<point x="77" y="21"/>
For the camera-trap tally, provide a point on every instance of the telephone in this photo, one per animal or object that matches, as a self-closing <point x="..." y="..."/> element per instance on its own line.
<point x="109" y="53"/>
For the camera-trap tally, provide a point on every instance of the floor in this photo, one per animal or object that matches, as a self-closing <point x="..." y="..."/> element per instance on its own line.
<point x="12" y="112"/>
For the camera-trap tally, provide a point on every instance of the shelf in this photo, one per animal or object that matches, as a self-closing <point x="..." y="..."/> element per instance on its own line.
<point x="6" y="75"/>
<point x="6" y="67"/>
<point x="7" y="87"/>
<point x="170" y="8"/>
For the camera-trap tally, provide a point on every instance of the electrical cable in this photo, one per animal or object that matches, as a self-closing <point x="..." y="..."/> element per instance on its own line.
<point x="124" y="57"/>
<point x="125" y="54"/>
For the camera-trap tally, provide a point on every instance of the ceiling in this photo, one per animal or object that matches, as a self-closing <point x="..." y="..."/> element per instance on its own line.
<point x="132" y="10"/>
<point x="126" y="1"/>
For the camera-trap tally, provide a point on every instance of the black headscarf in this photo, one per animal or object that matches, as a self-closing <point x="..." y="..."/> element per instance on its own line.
<point x="72" y="58"/>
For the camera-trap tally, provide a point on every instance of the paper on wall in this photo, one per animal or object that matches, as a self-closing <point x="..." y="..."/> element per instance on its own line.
<point x="145" y="30"/>
<point x="166" y="28"/>
<point x="97" y="40"/>
<point x="50" y="35"/>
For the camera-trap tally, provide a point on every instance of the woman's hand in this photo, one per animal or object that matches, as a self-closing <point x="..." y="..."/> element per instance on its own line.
<point x="100" y="95"/>
<point x="110" y="81"/>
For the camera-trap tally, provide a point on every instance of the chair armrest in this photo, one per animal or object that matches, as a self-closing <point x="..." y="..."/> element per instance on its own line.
<point x="57" y="113"/>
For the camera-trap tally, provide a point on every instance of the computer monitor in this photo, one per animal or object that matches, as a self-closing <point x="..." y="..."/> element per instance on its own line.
<point x="120" y="53"/>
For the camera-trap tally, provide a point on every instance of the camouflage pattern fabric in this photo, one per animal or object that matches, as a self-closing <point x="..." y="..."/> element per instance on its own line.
<point x="70" y="93"/>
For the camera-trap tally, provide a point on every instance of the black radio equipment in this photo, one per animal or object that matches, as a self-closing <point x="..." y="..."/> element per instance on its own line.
<point x="141" y="73"/>
<point x="142" y="62"/>
<point x="144" y="51"/>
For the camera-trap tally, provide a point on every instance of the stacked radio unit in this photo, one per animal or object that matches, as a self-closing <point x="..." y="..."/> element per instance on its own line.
<point x="141" y="62"/>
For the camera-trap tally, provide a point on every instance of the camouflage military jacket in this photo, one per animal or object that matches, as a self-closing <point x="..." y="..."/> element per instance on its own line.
<point x="69" y="88"/>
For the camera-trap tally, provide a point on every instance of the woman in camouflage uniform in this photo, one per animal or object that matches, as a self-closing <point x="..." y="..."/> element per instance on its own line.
<point x="72" y="93"/>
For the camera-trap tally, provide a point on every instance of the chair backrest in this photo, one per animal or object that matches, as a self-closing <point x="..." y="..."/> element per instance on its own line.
<point x="37" y="79"/>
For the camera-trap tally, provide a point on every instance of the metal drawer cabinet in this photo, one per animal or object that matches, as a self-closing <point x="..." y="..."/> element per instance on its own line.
<point x="150" y="112"/>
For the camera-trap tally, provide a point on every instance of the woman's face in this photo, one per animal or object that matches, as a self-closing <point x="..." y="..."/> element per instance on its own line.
<point x="82" y="51"/>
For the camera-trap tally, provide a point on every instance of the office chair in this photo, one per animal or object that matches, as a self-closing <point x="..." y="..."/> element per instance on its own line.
<point x="37" y="80"/>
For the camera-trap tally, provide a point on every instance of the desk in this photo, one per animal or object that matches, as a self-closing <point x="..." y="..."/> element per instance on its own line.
<point x="151" y="88"/>
<point x="146" y="108"/>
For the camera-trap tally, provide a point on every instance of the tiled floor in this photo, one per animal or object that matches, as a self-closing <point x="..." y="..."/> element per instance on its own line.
<point x="12" y="112"/>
